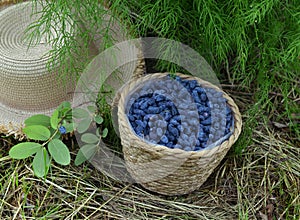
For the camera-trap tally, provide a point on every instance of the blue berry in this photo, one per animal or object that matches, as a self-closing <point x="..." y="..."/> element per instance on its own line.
<point x="205" y="114"/>
<point x="144" y="105"/>
<point x="169" y="86"/>
<point x="62" y="130"/>
<point x="175" y="132"/>
<point x="193" y="84"/>
<point x="178" y="78"/>
<point x="228" y="110"/>
<point x="192" y="140"/>
<point x="196" y="96"/>
<point x="203" y="97"/>
<point x="185" y="137"/>
<point x="137" y="117"/>
<point x="164" y="139"/>
<point x="153" y="136"/>
<point x="147" y="117"/>
<point x="180" y="128"/>
<point x="170" y="145"/>
<point x="151" y="101"/>
<point x="199" y="89"/>
<point x="150" y="91"/>
<point x="171" y="138"/>
<point x="155" y="116"/>
<point x="218" y="94"/>
<point x="159" y="132"/>
<point x="131" y="118"/>
<point x="174" y="110"/>
<point x="140" y="123"/>
<point x="178" y="146"/>
<point x="206" y="129"/>
<point x="139" y="128"/>
<point x="183" y="106"/>
<point x="159" y="98"/>
<point x="139" y="112"/>
<point x="206" y="121"/>
<point x="161" y="123"/>
<point x="188" y="149"/>
<point x="167" y="116"/>
<point x="216" y="125"/>
<point x="153" y="110"/>
<point x="194" y="122"/>
<point x="197" y="148"/>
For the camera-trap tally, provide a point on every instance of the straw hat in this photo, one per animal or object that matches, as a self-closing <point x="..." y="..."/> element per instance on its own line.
<point x="27" y="86"/>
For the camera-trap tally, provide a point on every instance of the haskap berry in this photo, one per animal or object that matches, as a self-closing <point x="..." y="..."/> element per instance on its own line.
<point x="155" y="117"/>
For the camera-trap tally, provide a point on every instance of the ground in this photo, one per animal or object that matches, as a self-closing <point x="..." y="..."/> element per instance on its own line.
<point x="261" y="182"/>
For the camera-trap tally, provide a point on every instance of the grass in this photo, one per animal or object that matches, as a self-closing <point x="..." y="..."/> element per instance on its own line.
<point x="261" y="181"/>
<point x="254" y="47"/>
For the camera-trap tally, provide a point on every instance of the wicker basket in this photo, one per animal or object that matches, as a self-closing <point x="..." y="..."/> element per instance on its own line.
<point x="161" y="169"/>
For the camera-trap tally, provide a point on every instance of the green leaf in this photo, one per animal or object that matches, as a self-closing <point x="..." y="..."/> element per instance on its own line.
<point x="89" y="138"/>
<point x="66" y="112"/>
<point x="98" y="132"/>
<point x="80" y="113"/>
<point x="57" y="134"/>
<point x="92" y="108"/>
<point x="65" y="105"/>
<point x="41" y="163"/>
<point x="98" y="119"/>
<point x="55" y="119"/>
<point x="85" y="153"/>
<point x="84" y="125"/>
<point x="59" y="151"/>
<point x="24" y="150"/>
<point x="37" y="132"/>
<point x="104" y="133"/>
<point x="70" y="127"/>
<point x="43" y="120"/>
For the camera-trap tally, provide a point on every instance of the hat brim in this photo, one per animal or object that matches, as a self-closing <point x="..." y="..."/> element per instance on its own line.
<point x="11" y="118"/>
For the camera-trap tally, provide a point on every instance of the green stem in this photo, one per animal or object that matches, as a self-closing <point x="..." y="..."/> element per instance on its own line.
<point x="59" y="124"/>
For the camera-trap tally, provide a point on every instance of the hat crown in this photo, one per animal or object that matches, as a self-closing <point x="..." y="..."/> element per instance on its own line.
<point x="26" y="83"/>
<point x="13" y="44"/>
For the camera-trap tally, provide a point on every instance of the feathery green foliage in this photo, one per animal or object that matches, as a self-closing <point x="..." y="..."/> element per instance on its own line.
<point x="249" y="43"/>
<point x="72" y="28"/>
<point x="254" y="44"/>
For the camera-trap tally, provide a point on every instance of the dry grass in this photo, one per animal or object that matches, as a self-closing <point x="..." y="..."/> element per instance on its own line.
<point x="261" y="183"/>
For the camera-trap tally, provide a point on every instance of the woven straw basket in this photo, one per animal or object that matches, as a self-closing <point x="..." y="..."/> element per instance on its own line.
<point x="27" y="87"/>
<point x="161" y="169"/>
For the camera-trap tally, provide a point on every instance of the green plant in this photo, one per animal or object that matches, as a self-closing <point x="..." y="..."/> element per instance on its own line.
<point x="72" y="28"/>
<point x="252" y="44"/>
<point x="45" y="136"/>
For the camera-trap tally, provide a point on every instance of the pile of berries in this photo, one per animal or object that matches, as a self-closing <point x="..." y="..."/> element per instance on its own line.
<point x="180" y="114"/>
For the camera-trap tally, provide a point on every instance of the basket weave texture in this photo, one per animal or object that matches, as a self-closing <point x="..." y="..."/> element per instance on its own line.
<point x="161" y="169"/>
<point x="27" y="87"/>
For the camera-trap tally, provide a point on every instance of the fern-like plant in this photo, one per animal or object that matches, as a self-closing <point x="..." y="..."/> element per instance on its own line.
<point x="250" y="43"/>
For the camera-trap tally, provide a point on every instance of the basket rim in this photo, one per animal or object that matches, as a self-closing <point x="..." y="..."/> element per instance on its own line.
<point x="131" y="85"/>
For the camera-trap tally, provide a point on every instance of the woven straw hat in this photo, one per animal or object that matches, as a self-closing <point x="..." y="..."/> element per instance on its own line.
<point x="159" y="168"/>
<point x="27" y="87"/>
